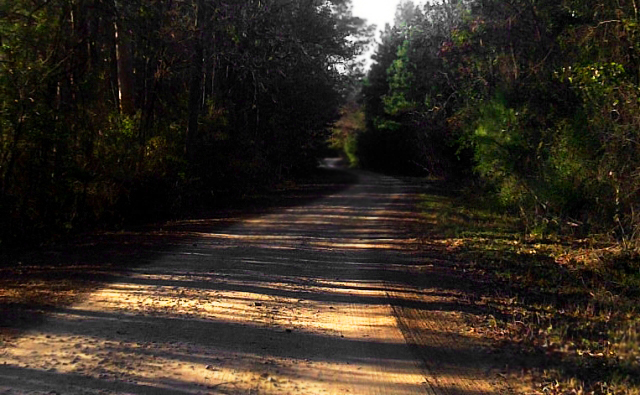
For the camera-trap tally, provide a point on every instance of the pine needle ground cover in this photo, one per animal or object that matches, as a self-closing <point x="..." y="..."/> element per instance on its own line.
<point x="562" y="311"/>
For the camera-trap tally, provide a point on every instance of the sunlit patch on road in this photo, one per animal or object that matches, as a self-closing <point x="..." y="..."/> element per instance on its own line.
<point x="293" y="302"/>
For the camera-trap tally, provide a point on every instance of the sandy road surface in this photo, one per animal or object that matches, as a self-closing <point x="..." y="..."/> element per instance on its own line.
<point x="300" y="301"/>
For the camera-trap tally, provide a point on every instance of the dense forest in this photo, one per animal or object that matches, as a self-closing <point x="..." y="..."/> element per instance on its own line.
<point x="111" y="109"/>
<point x="538" y="100"/>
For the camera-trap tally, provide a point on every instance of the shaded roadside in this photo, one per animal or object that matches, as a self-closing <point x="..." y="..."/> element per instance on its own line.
<point x="555" y="317"/>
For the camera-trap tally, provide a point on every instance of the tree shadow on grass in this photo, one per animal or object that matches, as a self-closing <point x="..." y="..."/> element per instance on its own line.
<point x="556" y="324"/>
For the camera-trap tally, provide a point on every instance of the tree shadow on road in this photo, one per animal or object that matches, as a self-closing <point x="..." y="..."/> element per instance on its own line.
<point x="37" y="280"/>
<point x="255" y="294"/>
<point x="260" y="303"/>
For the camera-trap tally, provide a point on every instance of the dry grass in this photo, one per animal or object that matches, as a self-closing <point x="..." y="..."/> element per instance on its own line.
<point x="566" y="310"/>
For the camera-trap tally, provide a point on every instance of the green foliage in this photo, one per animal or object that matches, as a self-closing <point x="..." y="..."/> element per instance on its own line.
<point x="401" y="80"/>
<point x="344" y="136"/>
<point x="495" y="137"/>
<point x="410" y="94"/>
<point x="539" y="100"/>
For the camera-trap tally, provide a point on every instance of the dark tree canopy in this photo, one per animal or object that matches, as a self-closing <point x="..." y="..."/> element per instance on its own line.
<point x="106" y="104"/>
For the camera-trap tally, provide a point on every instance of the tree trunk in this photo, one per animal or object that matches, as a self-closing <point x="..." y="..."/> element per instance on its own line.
<point x="195" y="85"/>
<point x="125" y="68"/>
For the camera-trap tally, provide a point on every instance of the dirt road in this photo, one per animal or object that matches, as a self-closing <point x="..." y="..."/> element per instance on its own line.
<point x="306" y="300"/>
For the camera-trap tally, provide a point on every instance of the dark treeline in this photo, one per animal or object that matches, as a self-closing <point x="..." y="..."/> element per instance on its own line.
<point x="539" y="99"/>
<point x="110" y="108"/>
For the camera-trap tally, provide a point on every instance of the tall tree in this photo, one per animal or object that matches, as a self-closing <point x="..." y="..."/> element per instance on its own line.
<point x="122" y="35"/>
<point x="196" y="78"/>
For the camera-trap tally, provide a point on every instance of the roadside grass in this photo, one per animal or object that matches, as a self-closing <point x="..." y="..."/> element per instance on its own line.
<point x="565" y="311"/>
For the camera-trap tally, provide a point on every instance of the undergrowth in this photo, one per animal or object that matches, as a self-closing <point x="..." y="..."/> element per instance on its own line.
<point x="566" y="309"/>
